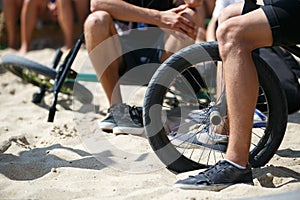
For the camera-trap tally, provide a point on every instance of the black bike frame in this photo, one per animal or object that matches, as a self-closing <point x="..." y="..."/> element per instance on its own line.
<point x="63" y="71"/>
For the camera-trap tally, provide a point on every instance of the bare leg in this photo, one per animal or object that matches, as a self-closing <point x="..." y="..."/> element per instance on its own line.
<point x="209" y="6"/>
<point x="12" y="10"/>
<point x="82" y="10"/>
<point x="29" y="15"/>
<point x="175" y="42"/>
<point x="200" y="15"/>
<point x="66" y="21"/>
<point x="237" y="38"/>
<point x="99" y="27"/>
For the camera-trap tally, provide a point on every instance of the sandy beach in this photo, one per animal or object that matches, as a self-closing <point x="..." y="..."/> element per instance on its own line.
<point x="72" y="159"/>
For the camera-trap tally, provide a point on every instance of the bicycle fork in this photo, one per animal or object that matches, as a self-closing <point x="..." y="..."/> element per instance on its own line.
<point x="62" y="74"/>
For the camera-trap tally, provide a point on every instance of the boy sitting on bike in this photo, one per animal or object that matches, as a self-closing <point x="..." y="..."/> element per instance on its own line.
<point x="274" y="23"/>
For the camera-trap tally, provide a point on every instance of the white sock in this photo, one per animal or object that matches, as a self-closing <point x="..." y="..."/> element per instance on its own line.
<point x="236" y="165"/>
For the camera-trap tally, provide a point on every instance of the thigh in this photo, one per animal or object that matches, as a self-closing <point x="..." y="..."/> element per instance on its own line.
<point x="175" y="41"/>
<point x="12" y="7"/>
<point x="230" y="11"/>
<point x="251" y="30"/>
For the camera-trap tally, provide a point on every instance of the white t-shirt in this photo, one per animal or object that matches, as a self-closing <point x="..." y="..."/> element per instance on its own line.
<point x="220" y="4"/>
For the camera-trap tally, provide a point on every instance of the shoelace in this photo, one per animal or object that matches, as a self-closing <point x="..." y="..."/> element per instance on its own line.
<point x="117" y="108"/>
<point x="120" y="111"/>
<point x="136" y="115"/>
<point x="212" y="169"/>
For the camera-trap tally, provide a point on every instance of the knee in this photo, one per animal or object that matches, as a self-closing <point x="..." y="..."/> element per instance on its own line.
<point x="195" y="14"/>
<point x="99" y="20"/>
<point x="229" y="37"/>
<point x="28" y="1"/>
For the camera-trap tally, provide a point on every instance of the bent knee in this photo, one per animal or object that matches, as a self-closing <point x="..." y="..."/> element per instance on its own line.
<point x="195" y="14"/>
<point x="230" y="36"/>
<point x="98" y="20"/>
<point x="231" y="11"/>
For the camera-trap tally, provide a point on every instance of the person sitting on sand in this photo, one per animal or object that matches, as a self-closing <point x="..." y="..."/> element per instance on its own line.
<point x="54" y="10"/>
<point x="29" y="11"/>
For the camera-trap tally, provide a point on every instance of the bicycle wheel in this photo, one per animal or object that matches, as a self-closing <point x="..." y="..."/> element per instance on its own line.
<point x="29" y="71"/>
<point x="172" y="128"/>
<point x="42" y="76"/>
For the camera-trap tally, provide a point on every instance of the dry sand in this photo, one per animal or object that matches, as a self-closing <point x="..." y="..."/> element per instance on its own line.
<point x="72" y="159"/>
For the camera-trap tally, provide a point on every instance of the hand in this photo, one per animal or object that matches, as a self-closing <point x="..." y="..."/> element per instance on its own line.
<point x="193" y="3"/>
<point x="175" y="20"/>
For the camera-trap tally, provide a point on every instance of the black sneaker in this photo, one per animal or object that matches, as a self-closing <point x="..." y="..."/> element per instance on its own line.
<point x="128" y="120"/>
<point x="108" y="123"/>
<point x="217" y="177"/>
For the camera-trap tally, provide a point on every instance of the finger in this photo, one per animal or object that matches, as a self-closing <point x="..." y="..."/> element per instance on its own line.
<point x="179" y="8"/>
<point x="187" y="25"/>
<point x="186" y="20"/>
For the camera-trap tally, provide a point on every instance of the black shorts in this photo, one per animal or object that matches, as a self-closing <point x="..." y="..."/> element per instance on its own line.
<point x="284" y="19"/>
<point x="141" y="47"/>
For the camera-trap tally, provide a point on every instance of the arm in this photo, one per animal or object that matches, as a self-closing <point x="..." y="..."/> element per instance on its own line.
<point x="122" y="10"/>
<point x="170" y="19"/>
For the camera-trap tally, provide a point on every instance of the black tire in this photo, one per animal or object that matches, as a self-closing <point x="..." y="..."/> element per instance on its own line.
<point x="42" y="76"/>
<point x="21" y="66"/>
<point x="184" y="157"/>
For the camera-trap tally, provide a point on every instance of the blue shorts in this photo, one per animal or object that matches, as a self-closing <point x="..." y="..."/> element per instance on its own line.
<point x="284" y="19"/>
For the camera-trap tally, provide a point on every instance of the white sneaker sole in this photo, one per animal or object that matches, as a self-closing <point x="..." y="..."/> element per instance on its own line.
<point x="128" y="130"/>
<point x="106" y="126"/>
<point x="216" y="187"/>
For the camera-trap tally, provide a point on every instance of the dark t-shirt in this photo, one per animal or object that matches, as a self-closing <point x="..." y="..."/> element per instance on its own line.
<point x="153" y="4"/>
<point x="142" y="47"/>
